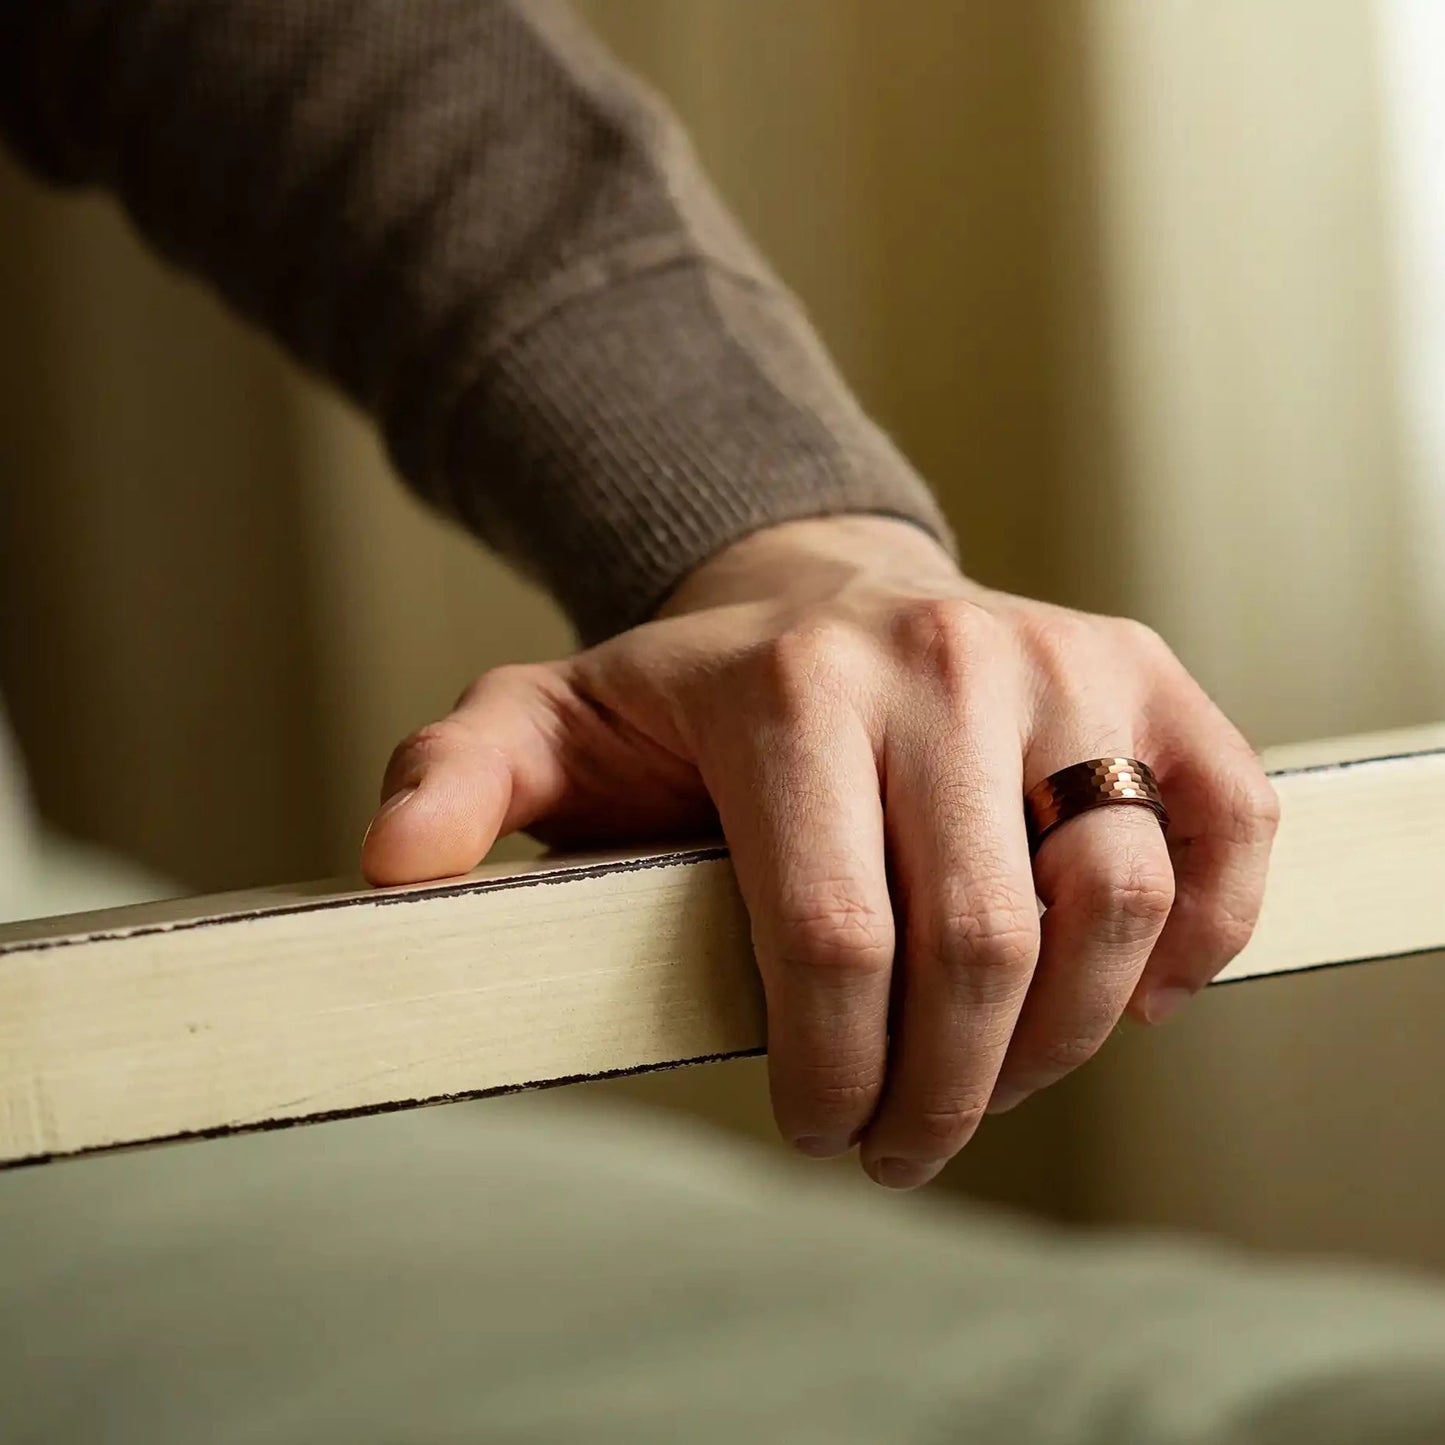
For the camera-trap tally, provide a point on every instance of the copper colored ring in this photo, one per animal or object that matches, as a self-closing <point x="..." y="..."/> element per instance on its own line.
<point x="1095" y="784"/>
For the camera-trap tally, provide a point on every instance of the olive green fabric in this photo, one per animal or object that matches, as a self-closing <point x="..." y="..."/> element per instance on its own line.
<point x="526" y="1270"/>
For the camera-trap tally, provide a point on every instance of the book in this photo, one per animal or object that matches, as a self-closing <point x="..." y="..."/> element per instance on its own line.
<point x="204" y="1016"/>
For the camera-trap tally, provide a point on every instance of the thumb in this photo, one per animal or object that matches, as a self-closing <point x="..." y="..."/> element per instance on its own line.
<point x="455" y="786"/>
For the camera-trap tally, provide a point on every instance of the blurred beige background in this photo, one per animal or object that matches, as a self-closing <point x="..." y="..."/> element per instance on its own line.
<point x="1130" y="282"/>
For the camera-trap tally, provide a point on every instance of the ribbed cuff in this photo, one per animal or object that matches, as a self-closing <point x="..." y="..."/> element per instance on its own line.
<point x="638" y="429"/>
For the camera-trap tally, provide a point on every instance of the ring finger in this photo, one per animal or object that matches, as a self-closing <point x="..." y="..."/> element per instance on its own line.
<point x="1106" y="883"/>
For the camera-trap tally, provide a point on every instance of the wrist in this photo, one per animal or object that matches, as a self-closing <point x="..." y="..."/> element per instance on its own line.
<point x="812" y="558"/>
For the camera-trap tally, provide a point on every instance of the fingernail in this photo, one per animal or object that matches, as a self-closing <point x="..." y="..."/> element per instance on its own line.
<point x="820" y="1146"/>
<point x="906" y="1173"/>
<point x="396" y="801"/>
<point x="1005" y="1098"/>
<point x="1163" y="1002"/>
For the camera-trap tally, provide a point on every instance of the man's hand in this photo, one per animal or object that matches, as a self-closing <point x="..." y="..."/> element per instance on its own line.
<point x="864" y="721"/>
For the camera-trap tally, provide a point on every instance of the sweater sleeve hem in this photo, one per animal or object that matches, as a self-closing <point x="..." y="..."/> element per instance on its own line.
<point x="644" y="424"/>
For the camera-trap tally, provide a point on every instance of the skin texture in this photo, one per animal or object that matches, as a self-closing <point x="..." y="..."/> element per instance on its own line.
<point x="862" y="721"/>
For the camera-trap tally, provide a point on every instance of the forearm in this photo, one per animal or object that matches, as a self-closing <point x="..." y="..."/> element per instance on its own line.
<point x="465" y="216"/>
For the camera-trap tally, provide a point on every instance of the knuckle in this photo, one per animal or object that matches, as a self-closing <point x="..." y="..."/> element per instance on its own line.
<point x="1223" y="933"/>
<point x="1141" y="639"/>
<point x="1063" y="1054"/>
<point x="1261" y="808"/>
<point x="427" y="743"/>
<point x="1132" y="900"/>
<point x="444" y="733"/>
<point x="999" y="944"/>
<point x="830" y="928"/>
<point x="509" y="678"/>
<point x="1144" y="894"/>
<point x="799" y="667"/>
<point x="994" y="932"/>
<point x="945" y="637"/>
<point x="941" y="1127"/>
<point x="836" y="1092"/>
<point x="1246" y="807"/>
<point x="1060" y="634"/>
<point x="1064" y="650"/>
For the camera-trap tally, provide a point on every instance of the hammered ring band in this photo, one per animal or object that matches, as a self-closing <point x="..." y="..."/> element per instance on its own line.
<point x="1083" y="786"/>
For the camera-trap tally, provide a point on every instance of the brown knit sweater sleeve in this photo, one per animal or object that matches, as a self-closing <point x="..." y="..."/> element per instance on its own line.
<point x="464" y="214"/>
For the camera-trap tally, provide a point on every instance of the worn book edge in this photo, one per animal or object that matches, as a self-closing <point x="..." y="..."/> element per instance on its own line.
<point x="200" y="1017"/>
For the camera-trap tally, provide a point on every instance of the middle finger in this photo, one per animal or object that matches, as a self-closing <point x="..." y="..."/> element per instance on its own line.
<point x="970" y="931"/>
